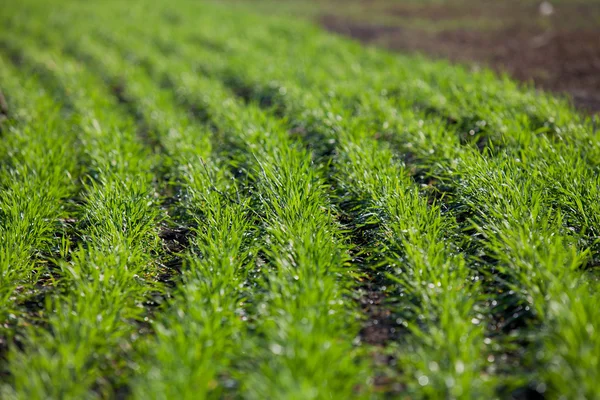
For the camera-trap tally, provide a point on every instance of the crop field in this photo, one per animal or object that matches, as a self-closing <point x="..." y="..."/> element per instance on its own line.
<point x="198" y="201"/>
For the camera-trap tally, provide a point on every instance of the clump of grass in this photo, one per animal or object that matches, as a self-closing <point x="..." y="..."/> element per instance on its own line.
<point x="104" y="280"/>
<point x="37" y="178"/>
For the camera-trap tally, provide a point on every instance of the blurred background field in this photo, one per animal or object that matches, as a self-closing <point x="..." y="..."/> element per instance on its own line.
<point x="554" y="44"/>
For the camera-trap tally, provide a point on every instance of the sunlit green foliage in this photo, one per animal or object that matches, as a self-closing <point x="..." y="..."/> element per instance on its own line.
<point x="193" y="200"/>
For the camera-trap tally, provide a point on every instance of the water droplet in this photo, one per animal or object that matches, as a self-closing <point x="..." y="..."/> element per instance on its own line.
<point x="276" y="348"/>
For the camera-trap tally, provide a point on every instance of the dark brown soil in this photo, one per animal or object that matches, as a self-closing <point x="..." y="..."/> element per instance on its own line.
<point x="559" y="52"/>
<point x="3" y="104"/>
<point x="380" y="327"/>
